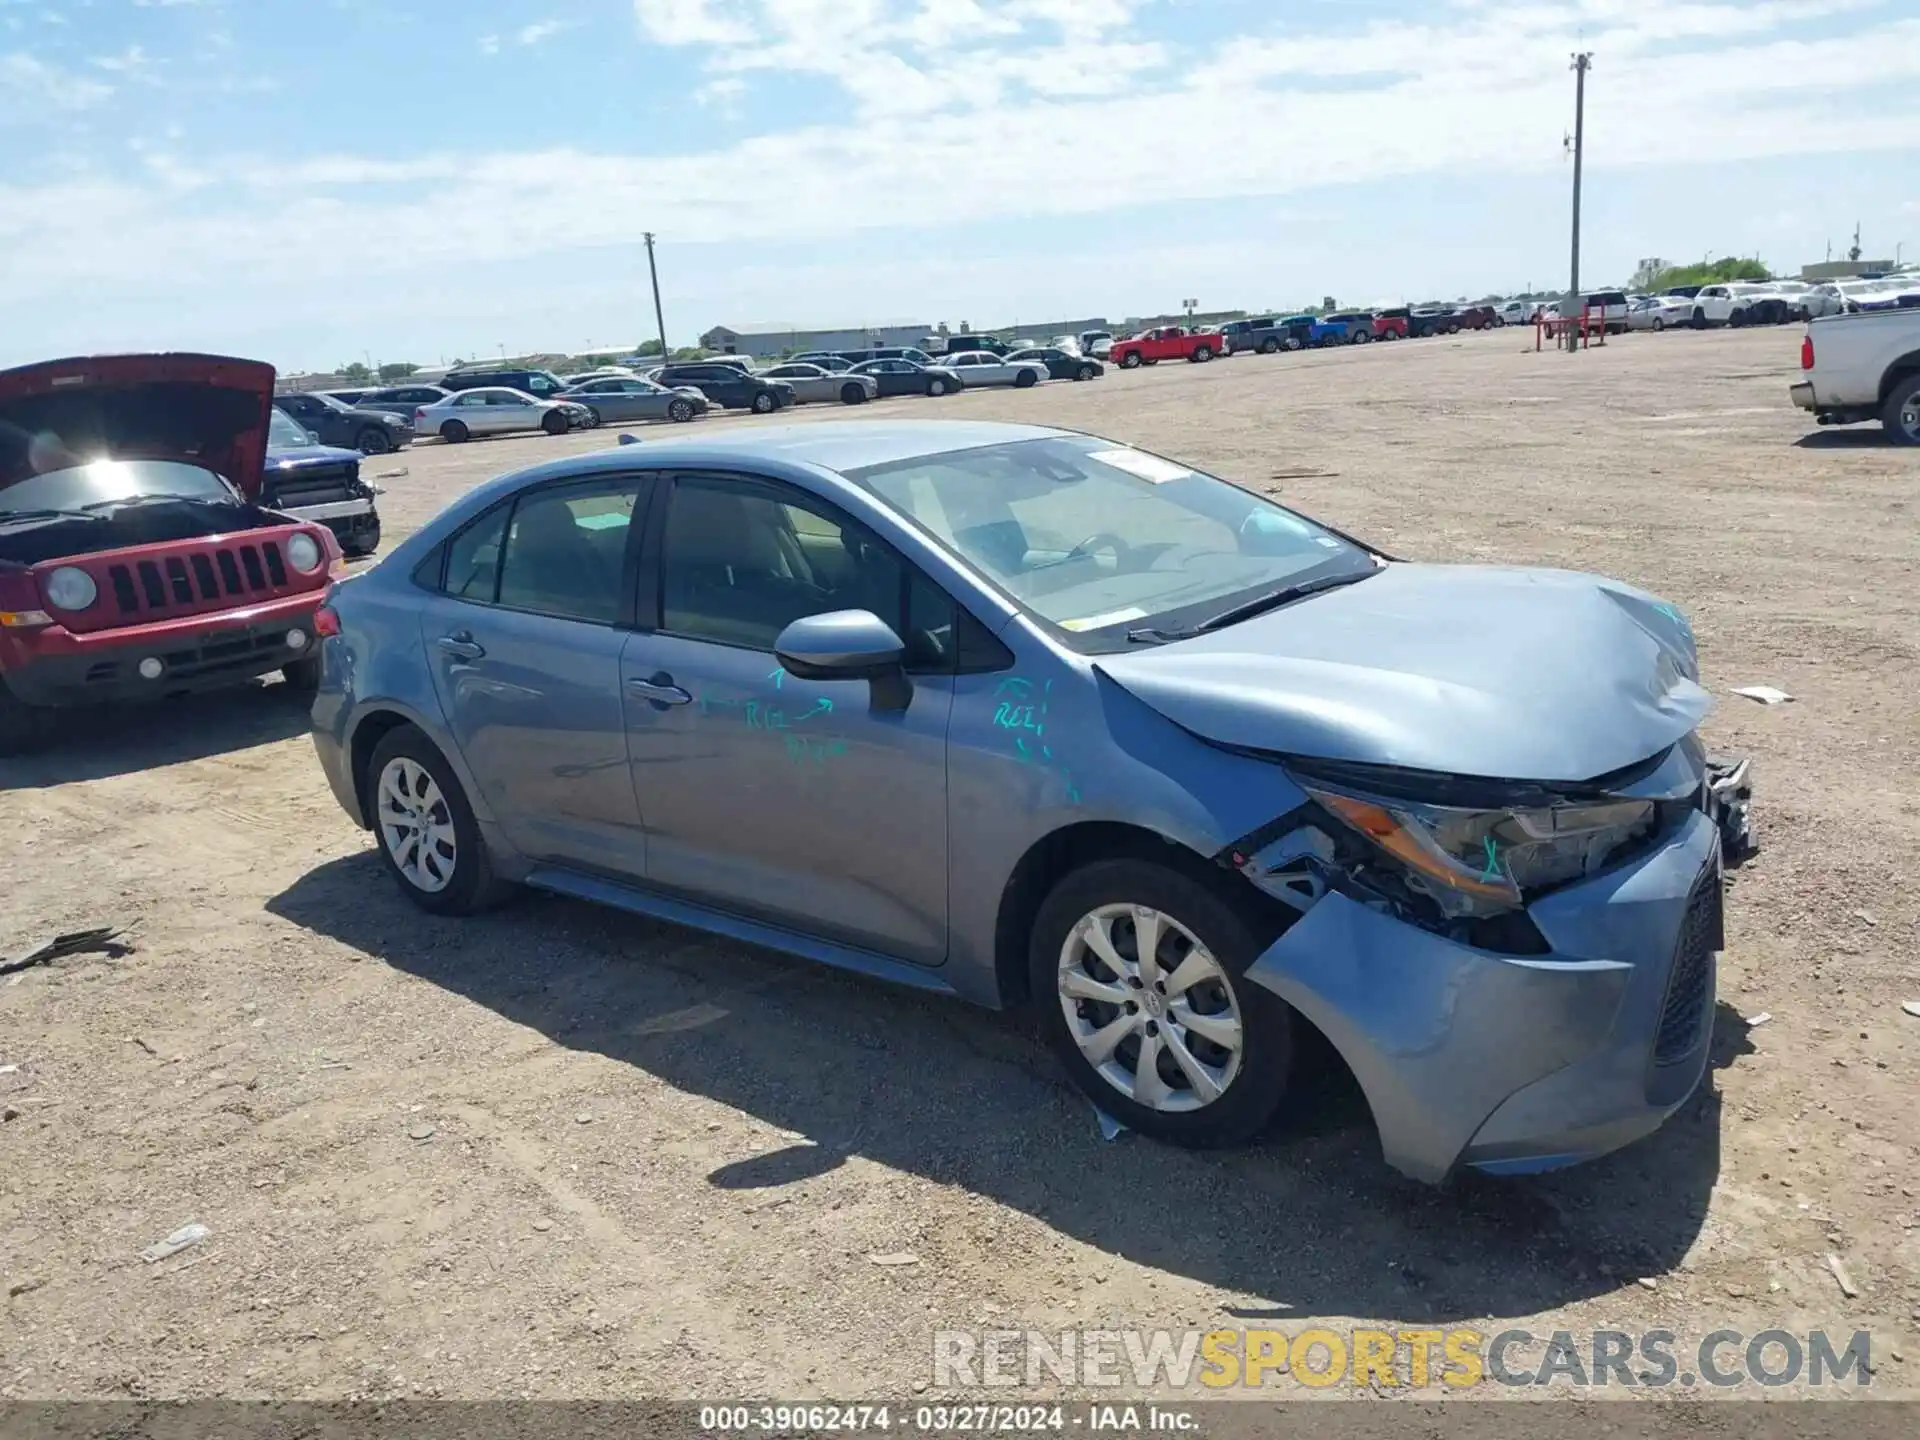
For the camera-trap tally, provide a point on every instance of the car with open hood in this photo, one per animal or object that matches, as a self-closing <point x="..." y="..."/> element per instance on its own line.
<point x="138" y="554"/>
<point x="1028" y="716"/>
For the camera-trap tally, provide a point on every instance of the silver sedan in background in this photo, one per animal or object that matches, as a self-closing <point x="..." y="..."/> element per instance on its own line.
<point x="617" y="399"/>
<point x="495" y="410"/>
<point x="814" y="382"/>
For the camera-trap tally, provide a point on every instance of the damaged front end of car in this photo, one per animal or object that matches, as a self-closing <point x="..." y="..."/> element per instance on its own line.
<point x="1520" y="974"/>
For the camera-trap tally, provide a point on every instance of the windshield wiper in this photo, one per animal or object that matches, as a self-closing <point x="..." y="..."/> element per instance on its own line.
<point x="148" y="500"/>
<point x="1246" y="610"/>
<point x="9" y="517"/>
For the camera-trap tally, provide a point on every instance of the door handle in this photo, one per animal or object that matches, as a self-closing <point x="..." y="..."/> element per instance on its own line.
<point x="461" y="644"/>
<point x="660" y="690"/>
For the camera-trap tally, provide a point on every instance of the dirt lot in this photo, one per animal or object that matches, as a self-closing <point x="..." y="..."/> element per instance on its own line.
<point x="561" y="1151"/>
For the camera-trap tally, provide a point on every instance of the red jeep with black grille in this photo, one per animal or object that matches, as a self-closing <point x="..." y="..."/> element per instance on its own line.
<point x="135" y="558"/>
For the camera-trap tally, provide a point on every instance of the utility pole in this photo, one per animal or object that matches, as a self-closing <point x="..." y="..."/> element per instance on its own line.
<point x="1582" y="62"/>
<point x="659" y="318"/>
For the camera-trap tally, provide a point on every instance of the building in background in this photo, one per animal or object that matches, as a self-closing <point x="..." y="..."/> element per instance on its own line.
<point x="1844" y="269"/>
<point x="766" y="342"/>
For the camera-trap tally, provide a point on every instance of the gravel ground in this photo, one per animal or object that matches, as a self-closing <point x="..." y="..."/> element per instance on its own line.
<point x="565" y="1152"/>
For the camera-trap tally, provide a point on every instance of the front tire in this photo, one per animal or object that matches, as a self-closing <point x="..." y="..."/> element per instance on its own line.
<point x="428" y="837"/>
<point x="23" y="727"/>
<point x="1699" y="318"/>
<point x="853" y="395"/>
<point x="1085" y="372"/>
<point x="372" y="441"/>
<point x="453" y="432"/>
<point x="680" y="411"/>
<point x="1130" y="360"/>
<point x="936" y="387"/>
<point x="1025" y="380"/>
<point x="1900" y="416"/>
<point x="1139" y="973"/>
<point x="364" y="545"/>
<point x="765" y="403"/>
<point x="554" y="423"/>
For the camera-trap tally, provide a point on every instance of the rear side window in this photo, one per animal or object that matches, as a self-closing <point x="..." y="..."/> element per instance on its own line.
<point x="473" y="559"/>
<point x="566" y="551"/>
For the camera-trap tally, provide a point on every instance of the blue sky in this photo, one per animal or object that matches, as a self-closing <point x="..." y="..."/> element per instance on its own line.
<point x="315" y="181"/>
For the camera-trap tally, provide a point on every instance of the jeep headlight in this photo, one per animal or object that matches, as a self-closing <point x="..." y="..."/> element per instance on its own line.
<point x="71" y="588"/>
<point x="303" y="552"/>
<point x="1484" y="861"/>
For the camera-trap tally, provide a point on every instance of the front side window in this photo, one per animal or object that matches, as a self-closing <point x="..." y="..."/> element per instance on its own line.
<point x="1094" y="536"/>
<point x="739" y="563"/>
<point x="284" y="432"/>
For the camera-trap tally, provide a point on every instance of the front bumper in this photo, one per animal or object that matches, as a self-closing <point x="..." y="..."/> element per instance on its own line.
<point x="351" y="521"/>
<point x="1802" y="393"/>
<point x="200" y="652"/>
<point x="1519" y="1063"/>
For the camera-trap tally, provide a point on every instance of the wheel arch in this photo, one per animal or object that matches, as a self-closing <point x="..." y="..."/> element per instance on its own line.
<point x="1058" y="853"/>
<point x="1902" y="368"/>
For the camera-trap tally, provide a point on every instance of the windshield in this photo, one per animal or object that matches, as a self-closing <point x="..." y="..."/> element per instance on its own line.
<point x="104" y="481"/>
<point x="1094" y="536"/>
<point x="285" y="433"/>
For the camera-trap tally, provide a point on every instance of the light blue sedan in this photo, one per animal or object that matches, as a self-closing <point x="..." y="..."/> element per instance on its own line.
<point x="1027" y="716"/>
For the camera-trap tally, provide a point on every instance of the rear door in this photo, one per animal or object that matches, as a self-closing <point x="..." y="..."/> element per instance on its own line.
<point x="524" y="635"/>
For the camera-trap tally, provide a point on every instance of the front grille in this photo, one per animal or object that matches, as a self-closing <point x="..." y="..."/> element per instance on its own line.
<point x="182" y="584"/>
<point x="1683" y="1017"/>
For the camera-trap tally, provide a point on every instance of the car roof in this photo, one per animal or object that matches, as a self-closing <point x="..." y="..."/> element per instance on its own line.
<point x="833" y="445"/>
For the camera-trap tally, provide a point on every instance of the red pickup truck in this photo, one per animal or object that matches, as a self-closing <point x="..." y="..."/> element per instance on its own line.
<point x="1169" y="342"/>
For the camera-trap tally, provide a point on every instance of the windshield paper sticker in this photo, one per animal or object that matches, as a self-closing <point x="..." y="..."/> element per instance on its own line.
<point x="1112" y="617"/>
<point x="1150" y="468"/>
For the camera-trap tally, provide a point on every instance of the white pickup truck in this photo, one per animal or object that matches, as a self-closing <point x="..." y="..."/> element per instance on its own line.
<point x="1863" y="367"/>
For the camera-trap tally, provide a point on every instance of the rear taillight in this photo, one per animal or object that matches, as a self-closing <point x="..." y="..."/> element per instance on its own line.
<point x="326" y="620"/>
<point x="1806" y="352"/>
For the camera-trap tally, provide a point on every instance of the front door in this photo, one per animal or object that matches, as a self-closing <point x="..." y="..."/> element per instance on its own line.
<point x="788" y="800"/>
<point x="525" y="639"/>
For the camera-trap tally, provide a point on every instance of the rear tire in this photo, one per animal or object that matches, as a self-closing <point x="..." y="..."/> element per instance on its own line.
<point x="1267" y="347"/>
<point x="1202" y="354"/>
<point x="1900" y="416"/>
<point x="1255" y="1069"/>
<point x="453" y="432"/>
<point x="469" y="885"/>
<point x="1361" y="337"/>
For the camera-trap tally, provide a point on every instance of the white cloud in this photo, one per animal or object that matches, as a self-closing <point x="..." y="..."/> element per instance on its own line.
<point x="131" y="61"/>
<point x="690" y="22"/>
<point x="542" y="30"/>
<point x="29" y="86"/>
<point x="489" y="44"/>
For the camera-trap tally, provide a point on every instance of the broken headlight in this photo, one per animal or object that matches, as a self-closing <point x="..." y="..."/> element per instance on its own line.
<point x="1484" y="861"/>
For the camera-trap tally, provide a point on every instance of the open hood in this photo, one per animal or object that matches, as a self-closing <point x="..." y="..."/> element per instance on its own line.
<point x="1471" y="670"/>
<point x="206" y="410"/>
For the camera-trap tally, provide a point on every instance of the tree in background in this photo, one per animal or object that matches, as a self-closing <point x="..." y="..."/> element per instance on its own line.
<point x="648" y="347"/>
<point x="397" y="370"/>
<point x="1709" y="272"/>
<point x="356" y="373"/>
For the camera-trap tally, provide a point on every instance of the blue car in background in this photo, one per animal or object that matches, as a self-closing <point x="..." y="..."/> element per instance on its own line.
<point x="1317" y="331"/>
<point x="1027" y="716"/>
<point x="311" y="481"/>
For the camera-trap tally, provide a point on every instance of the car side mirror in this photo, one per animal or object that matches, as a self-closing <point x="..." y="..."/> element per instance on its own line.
<point x="848" y="645"/>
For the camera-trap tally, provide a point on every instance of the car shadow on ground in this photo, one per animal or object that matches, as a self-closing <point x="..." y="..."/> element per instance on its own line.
<point x="1870" y="437"/>
<point x="1307" y="1222"/>
<point x="93" y="744"/>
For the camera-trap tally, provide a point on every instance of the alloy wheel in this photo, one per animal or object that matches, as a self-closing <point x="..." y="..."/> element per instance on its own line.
<point x="1151" y="1009"/>
<point x="416" y="826"/>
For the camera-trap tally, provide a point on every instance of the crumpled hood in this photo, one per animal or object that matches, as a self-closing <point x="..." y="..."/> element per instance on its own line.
<point x="1502" y="673"/>
<point x="310" y="457"/>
